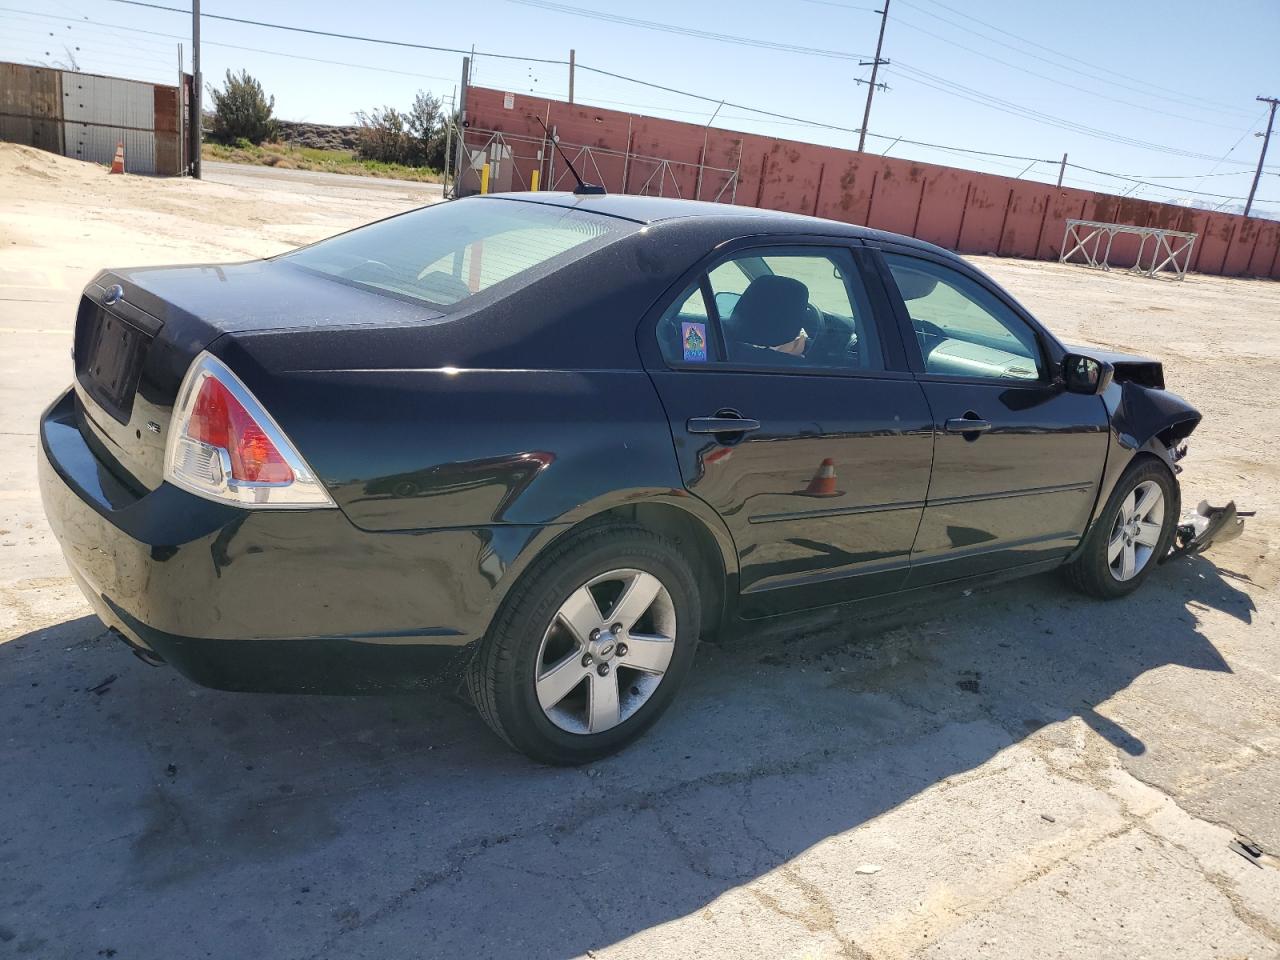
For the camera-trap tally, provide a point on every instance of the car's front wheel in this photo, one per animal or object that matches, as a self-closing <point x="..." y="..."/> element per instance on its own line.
<point x="591" y="646"/>
<point x="1132" y="534"/>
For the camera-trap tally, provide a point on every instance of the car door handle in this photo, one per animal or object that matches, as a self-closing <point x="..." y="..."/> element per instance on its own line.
<point x="966" y="425"/>
<point x="721" y="425"/>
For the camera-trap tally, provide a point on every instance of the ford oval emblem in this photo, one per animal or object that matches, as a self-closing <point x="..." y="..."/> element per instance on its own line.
<point x="115" y="294"/>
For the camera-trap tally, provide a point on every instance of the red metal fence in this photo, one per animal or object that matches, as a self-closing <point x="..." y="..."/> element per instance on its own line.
<point x="959" y="209"/>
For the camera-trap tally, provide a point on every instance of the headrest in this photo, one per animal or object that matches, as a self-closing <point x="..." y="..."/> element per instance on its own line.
<point x="770" y="312"/>
<point x="913" y="284"/>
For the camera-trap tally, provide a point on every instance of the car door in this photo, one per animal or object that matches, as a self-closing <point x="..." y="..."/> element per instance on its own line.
<point x="815" y="449"/>
<point x="1017" y="460"/>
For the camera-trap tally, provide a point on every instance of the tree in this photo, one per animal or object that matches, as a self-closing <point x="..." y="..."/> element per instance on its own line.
<point x="415" y="138"/>
<point x="426" y="124"/>
<point x="384" y="135"/>
<point x="242" y="110"/>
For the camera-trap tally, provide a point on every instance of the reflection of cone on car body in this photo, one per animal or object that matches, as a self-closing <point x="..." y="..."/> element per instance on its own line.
<point x="823" y="483"/>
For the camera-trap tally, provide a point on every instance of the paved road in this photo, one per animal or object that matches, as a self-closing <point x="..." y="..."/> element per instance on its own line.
<point x="306" y="181"/>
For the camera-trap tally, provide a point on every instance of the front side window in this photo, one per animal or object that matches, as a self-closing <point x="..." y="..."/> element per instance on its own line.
<point x="445" y="253"/>
<point x="786" y="310"/>
<point x="963" y="329"/>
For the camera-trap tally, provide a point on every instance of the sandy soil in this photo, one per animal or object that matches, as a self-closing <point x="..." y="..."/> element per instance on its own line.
<point x="1019" y="772"/>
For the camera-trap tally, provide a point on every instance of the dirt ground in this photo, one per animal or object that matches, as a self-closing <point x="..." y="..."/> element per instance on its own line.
<point x="1018" y="772"/>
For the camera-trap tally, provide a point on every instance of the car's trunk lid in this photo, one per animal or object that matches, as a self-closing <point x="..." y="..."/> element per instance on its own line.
<point x="133" y="344"/>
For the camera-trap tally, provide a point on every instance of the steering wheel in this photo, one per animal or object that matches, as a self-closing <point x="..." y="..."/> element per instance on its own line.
<point x="833" y="344"/>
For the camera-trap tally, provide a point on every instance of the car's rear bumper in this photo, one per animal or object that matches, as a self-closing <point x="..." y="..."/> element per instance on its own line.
<point x="269" y="600"/>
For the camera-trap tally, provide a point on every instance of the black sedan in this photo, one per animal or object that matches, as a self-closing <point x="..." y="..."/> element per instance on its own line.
<point x="551" y="440"/>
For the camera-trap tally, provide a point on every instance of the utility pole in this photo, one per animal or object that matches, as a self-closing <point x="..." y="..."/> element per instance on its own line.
<point x="183" y="146"/>
<point x="1062" y="170"/>
<point x="1262" y="156"/>
<point x="448" y="142"/>
<point x="572" y="58"/>
<point x="462" y="128"/>
<point x="871" y="87"/>
<point x="197" y="85"/>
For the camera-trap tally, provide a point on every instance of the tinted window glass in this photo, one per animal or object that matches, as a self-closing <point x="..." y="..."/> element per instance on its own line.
<point x="963" y="329"/>
<point x="781" y="309"/>
<point x="445" y="253"/>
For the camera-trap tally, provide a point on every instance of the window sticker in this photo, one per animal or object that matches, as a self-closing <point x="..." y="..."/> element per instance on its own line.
<point x="694" y="337"/>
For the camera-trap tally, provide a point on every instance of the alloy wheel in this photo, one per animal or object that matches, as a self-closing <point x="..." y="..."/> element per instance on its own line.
<point x="606" y="651"/>
<point x="1136" y="532"/>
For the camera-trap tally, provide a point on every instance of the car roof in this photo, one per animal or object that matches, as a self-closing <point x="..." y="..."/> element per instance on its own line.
<point x="647" y="210"/>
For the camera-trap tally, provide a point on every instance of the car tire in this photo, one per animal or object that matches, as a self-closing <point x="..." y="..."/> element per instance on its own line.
<point x="1097" y="570"/>
<point x="509" y="675"/>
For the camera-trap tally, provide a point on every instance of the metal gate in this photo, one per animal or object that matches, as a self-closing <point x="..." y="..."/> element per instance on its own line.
<point x="533" y="163"/>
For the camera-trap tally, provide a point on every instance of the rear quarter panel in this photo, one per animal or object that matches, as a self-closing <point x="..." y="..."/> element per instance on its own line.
<point x="416" y="449"/>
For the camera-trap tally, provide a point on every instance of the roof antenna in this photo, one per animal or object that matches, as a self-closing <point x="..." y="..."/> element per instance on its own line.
<point x="583" y="189"/>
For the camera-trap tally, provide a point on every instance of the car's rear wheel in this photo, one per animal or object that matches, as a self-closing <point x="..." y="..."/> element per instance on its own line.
<point x="1131" y="535"/>
<point x="591" y="646"/>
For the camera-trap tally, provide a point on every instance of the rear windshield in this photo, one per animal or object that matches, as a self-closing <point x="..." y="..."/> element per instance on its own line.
<point x="445" y="253"/>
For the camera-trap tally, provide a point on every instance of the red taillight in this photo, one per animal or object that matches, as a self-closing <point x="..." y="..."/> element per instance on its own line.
<point x="219" y="420"/>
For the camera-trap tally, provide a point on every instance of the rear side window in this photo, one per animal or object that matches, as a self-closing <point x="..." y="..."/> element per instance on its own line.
<point x="785" y="309"/>
<point x="445" y="253"/>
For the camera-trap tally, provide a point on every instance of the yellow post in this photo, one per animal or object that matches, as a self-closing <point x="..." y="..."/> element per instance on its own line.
<point x="484" y="179"/>
<point x="533" y="180"/>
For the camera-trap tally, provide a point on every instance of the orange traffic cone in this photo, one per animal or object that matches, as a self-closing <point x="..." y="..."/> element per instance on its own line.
<point x="823" y="483"/>
<point x="117" y="165"/>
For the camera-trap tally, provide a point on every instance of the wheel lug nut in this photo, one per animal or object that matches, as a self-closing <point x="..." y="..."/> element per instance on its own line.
<point x="616" y="628"/>
<point x="595" y="635"/>
<point x="622" y="649"/>
<point x="586" y="659"/>
<point x="603" y="669"/>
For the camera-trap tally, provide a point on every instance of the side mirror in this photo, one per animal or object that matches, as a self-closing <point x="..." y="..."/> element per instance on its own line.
<point x="1082" y="374"/>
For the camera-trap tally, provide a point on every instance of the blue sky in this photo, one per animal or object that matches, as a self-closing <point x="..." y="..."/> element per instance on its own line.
<point x="1178" y="76"/>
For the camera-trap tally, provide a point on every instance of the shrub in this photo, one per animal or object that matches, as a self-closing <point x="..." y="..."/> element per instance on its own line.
<point x="242" y="111"/>
<point x="384" y="135"/>
<point x="415" y="138"/>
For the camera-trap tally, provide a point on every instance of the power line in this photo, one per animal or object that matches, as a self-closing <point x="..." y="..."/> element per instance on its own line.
<point x="1180" y="96"/>
<point x="842" y="6"/>
<point x="687" y="31"/>
<point x="1061" y="83"/>
<point x="339" y="36"/>
<point x="802" y="120"/>
<point x="147" y="45"/>
<point x="1006" y="106"/>
<point x="236" y="46"/>
<point x="1158" y="186"/>
<point x="984" y="99"/>
<point x="991" y="101"/>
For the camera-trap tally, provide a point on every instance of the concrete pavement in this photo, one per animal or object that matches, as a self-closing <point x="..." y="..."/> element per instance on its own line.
<point x="1016" y="772"/>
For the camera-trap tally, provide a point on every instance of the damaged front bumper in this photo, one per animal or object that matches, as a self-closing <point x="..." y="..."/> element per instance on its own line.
<point x="1208" y="525"/>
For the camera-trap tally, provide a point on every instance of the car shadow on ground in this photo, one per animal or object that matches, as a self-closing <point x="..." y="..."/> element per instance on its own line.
<point x="160" y="819"/>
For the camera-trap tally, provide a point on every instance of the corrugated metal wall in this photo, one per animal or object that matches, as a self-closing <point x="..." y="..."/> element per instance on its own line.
<point x="31" y="106"/>
<point x="100" y="112"/>
<point x="959" y="209"/>
<point x="84" y="116"/>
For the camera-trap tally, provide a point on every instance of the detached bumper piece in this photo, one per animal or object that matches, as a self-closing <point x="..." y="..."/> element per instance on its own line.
<point x="1207" y="526"/>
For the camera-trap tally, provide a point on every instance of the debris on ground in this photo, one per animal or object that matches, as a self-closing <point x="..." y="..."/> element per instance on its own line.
<point x="1247" y="849"/>
<point x="104" y="686"/>
<point x="1208" y="525"/>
